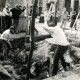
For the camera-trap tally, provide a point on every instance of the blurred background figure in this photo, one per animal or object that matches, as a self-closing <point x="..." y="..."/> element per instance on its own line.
<point x="16" y="11"/>
<point x="73" y="18"/>
<point x="7" y="16"/>
<point x="46" y="16"/>
<point x="65" y="17"/>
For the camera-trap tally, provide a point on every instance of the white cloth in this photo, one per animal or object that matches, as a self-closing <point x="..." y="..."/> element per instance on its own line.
<point x="6" y="12"/>
<point x="58" y="35"/>
<point x="6" y="35"/>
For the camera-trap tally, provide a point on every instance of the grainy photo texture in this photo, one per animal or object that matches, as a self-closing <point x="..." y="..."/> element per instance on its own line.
<point x="39" y="39"/>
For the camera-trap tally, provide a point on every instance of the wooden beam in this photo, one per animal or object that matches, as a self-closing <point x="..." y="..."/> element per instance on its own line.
<point x="55" y="18"/>
<point x="32" y="39"/>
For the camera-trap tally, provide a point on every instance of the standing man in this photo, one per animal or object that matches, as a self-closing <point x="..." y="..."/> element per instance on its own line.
<point x="16" y="11"/>
<point x="46" y="16"/>
<point x="65" y="18"/>
<point x="7" y="16"/>
<point x="62" y="46"/>
<point x="73" y="18"/>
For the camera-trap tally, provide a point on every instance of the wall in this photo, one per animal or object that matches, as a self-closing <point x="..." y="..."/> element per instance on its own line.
<point x="61" y="4"/>
<point x="2" y="4"/>
<point x="13" y="2"/>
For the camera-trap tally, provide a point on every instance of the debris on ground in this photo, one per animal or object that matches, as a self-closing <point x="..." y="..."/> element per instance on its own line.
<point x="16" y="64"/>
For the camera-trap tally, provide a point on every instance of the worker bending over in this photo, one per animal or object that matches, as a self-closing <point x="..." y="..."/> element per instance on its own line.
<point x="59" y="39"/>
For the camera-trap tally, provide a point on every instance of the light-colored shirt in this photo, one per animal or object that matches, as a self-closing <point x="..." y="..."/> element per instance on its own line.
<point x="46" y="17"/>
<point x="6" y="12"/>
<point x="65" y="15"/>
<point x="58" y="35"/>
<point x="6" y="35"/>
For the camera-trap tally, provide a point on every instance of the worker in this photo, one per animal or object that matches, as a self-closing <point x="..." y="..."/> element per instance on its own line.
<point x="65" y="18"/>
<point x="7" y="34"/>
<point x="59" y="39"/>
<point x="73" y="18"/>
<point x="7" y="16"/>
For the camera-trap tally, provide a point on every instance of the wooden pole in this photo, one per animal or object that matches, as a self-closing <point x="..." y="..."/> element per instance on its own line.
<point x="26" y="13"/>
<point x="1" y="16"/>
<point x="32" y="39"/>
<point x="55" y="19"/>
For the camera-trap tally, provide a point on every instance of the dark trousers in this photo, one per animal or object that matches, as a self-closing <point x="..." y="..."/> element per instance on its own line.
<point x="8" y="22"/>
<point x="59" y="56"/>
<point x="72" y="23"/>
<point x="15" y="24"/>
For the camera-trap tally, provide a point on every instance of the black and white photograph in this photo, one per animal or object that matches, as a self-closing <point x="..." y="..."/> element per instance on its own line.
<point x="39" y="39"/>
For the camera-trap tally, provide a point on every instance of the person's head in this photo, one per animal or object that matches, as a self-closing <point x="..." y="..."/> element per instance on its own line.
<point x="7" y="5"/>
<point x="64" y="9"/>
<point x="11" y="30"/>
<point x="16" y="6"/>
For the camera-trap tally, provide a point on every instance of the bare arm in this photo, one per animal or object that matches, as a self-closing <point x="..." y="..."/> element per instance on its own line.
<point x="49" y="29"/>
